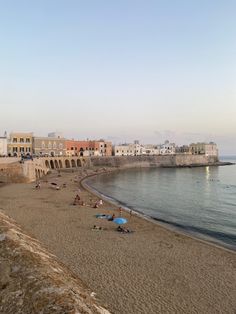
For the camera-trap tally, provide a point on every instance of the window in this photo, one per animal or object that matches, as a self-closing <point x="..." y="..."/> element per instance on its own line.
<point x="54" y="145"/>
<point x="14" y="140"/>
<point x="60" y="146"/>
<point x="22" y="149"/>
<point x="21" y="140"/>
<point x="72" y="148"/>
<point x="27" y="149"/>
<point x="27" y="140"/>
<point x="15" y="149"/>
<point x="43" y="145"/>
<point x="49" y="145"/>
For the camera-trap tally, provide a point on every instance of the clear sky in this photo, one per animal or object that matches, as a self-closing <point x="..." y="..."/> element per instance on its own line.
<point x="120" y="70"/>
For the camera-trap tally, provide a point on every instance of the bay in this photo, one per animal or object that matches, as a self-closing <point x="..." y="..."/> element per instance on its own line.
<point x="200" y="201"/>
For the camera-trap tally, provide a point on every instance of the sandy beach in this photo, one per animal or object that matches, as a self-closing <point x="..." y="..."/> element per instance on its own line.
<point x="152" y="270"/>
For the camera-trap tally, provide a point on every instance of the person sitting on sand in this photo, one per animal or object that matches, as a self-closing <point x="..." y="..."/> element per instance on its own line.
<point x="96" y="228"/>
<point x="100" y="202"/>
<point x="95" y="205"/>
<point x="120" y="229"/>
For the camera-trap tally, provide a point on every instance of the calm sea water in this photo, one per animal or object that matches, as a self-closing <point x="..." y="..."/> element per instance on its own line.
<point x="200" y="201"/>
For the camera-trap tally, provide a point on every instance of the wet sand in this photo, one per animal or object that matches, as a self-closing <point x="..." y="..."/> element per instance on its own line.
<point x="152" y="270"/>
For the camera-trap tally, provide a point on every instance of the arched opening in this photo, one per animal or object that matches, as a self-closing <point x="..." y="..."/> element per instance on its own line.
<point x="60" y="164"/>
<point x="79" y="164"/>
<point x="67" y="163"/>
<point x="39" y="174"/>
<point x="81" y="151"/>
<point x="47" y="164"/>
<point x="56" y="164"/>
<point x="52" y="164"/>
<point x="36" y="174"/>
<point x="73" y="163"/>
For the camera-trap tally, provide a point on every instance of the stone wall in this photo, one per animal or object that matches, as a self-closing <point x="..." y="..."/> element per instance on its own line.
<point x="153" y="161"/>
<point x="31" y="170"/>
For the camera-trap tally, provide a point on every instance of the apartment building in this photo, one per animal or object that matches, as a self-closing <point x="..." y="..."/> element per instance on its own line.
<point x="52" y="145"/>
<point x="20" y="144"/>
<point x="88" y="148"/>
<point x="208" y="149"/>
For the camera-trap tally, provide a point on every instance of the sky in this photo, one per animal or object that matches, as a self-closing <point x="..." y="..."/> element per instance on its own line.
<point x="120" y="70"/>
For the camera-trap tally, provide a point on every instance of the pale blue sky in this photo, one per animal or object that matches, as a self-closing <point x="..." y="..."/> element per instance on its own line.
<point x="120" y="70"/>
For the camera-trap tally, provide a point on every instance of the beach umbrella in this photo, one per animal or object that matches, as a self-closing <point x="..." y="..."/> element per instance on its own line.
<point x="120" y="221"/>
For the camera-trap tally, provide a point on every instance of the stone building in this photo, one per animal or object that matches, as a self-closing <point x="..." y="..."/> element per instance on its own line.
<point x="20" y="144"/>
<point x="128" y="149"/>
<point x="167" y="148"/>
<point x="208" y="149"/>
<point x="49" y="146"/>
<point x="88" y="148"/>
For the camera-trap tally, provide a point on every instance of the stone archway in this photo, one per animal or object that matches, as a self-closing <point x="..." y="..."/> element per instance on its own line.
<point x="56" y="164"/>
<point x="73" y="164"/>
<point x="60" y="163"/>
<point x="36" y="174"/>
<point x="79" y="163"/>
<point x="47" y="164"/>
<point x="52" y="164"/>
<point x="67" y="163"/>
<point x="39" y="174"/>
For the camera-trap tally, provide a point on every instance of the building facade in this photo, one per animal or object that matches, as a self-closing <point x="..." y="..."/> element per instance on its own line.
<point x="167" y="148"/>
<point x="128" y="149"/>
<point x="208" y="149"/>
<point x="49" y="146"/>
<point x="88" y="148"/>
<point x="20" y="144"/>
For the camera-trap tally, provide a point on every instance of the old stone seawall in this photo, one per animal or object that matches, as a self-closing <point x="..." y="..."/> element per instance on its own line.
<point x="12" y="170"/>
<point x="180" y="160"/>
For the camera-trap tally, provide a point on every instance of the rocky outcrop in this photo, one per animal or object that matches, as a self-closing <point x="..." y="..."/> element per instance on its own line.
<point x="33" y="281"/>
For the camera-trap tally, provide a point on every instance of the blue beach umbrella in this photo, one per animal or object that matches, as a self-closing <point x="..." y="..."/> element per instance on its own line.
<point x="120" y="221"/>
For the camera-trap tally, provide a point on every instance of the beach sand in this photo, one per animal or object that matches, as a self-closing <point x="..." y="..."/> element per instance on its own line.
<point x="152" y="270"/>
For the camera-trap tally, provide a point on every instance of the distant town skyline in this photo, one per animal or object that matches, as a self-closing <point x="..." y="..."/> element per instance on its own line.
<point x="125" y="70"/>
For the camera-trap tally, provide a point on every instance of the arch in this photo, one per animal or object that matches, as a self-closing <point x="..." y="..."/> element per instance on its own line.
<point x="39" y="174"/>
<point x="79" y="163"/>
<point x="67" y="163"/>
<point x="36" y="174"/>
<point x="56" y="164"/>
<point x="47" y="164"/>
<point x="73" y="163"/>
<point x="60" y="163"/>
<point x="52" y="164"/>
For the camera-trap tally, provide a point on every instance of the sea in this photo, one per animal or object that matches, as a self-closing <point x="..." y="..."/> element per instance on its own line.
<point x="198" y="201"/>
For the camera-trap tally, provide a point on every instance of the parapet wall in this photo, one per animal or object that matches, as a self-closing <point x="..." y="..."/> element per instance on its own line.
<point x="180" y="160"/>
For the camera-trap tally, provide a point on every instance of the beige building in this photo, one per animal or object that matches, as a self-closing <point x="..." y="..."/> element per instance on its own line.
<point x="128" y="149"/>
<point x="208" y="149"/>
<point x="3" y="146"/>
<point x="20" y="144"/>
<point x="49" y="146"/>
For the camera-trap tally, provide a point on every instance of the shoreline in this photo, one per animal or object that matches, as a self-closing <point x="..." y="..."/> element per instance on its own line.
<point x="167" y="225"/>
<point x="152" y="270"/>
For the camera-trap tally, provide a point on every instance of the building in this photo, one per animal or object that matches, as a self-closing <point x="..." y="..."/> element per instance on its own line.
<point x="208" y="149"/>
<point x="184" y="149"/>
<point x="88" y="148"/>
<point x="49" y="146"/>
<point x="20" y="144"/>
<point x="167" y="148"/>
<point x="128" y="149"/>
<point x="3" y="145"/>
<point x="151" y="150"/>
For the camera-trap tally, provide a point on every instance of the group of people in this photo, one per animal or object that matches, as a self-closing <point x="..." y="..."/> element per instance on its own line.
<point x="78" y="201"/>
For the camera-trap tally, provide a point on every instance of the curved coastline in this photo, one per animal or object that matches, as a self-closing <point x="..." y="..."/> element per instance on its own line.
<point x="173" y="227"/>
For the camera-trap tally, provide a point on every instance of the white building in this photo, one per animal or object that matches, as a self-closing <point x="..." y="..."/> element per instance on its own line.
<point x="3" y="146"/>
<point x="167" y="148"/>
<point x="208" y="149"/>
<point x="151" y="150"/>
<point x="128" y="150"/>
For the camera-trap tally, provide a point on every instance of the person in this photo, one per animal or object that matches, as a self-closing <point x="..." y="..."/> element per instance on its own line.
<point x="97" y="227"/>
<point x="95" y="205"/>
<point x="130" y="213"/>
<point x="112" y="218"/>
<point x="120" y="229"/>
<point x="120" y="211"/>
<point x="38" y="185"/>
<point x="100" y="202"/>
